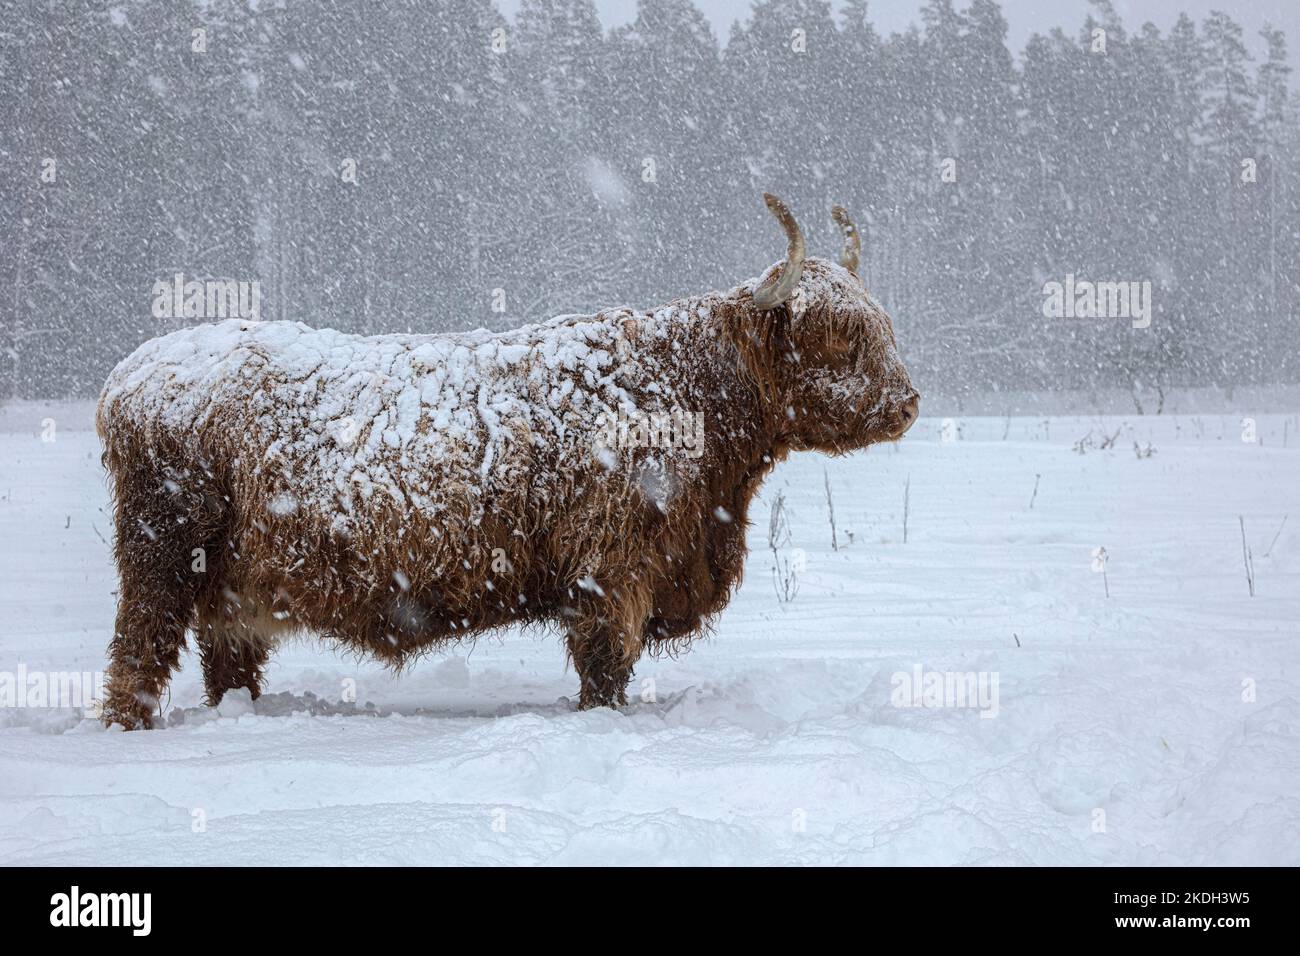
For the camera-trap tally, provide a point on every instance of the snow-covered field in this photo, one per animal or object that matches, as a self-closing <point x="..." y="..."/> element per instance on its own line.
<point x="1157" y="725"/>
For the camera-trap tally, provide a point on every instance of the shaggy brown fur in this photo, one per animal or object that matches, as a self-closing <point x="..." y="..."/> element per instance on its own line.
<point x="235" y="520"/>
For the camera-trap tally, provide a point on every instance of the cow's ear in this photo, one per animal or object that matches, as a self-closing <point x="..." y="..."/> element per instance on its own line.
<point x="777" y="290"/>
<point x="758" y="338"/>
<point x="851" y="255"/>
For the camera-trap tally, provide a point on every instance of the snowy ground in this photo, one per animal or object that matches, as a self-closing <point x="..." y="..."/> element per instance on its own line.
<point x="1159" y="725"/>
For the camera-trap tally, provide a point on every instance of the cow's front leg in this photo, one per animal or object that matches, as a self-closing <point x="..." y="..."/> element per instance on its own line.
<point x="605" y="641"/>
<point x="233" y="657"/>
<point x="604" y="668"/>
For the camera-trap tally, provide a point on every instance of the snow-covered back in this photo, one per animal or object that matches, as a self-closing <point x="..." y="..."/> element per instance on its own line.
<point x="411" y="416"/>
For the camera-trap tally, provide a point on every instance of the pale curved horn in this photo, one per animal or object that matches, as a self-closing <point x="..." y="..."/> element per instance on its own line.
<point x="852" y="253"/>
<point x="772" y="294"/>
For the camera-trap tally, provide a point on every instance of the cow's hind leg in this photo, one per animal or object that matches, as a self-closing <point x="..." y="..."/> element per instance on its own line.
<point x="160" y="522"/>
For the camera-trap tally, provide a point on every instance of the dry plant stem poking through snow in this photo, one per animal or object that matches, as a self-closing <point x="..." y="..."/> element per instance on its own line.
<point x="1276" y="536"/>
<point x="907" y="505"/>
<point x="830" y="509"/>
<point x="1247" y="557"/>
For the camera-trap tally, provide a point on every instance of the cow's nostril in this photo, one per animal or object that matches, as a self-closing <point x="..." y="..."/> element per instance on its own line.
<point x="905" y="416"/>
